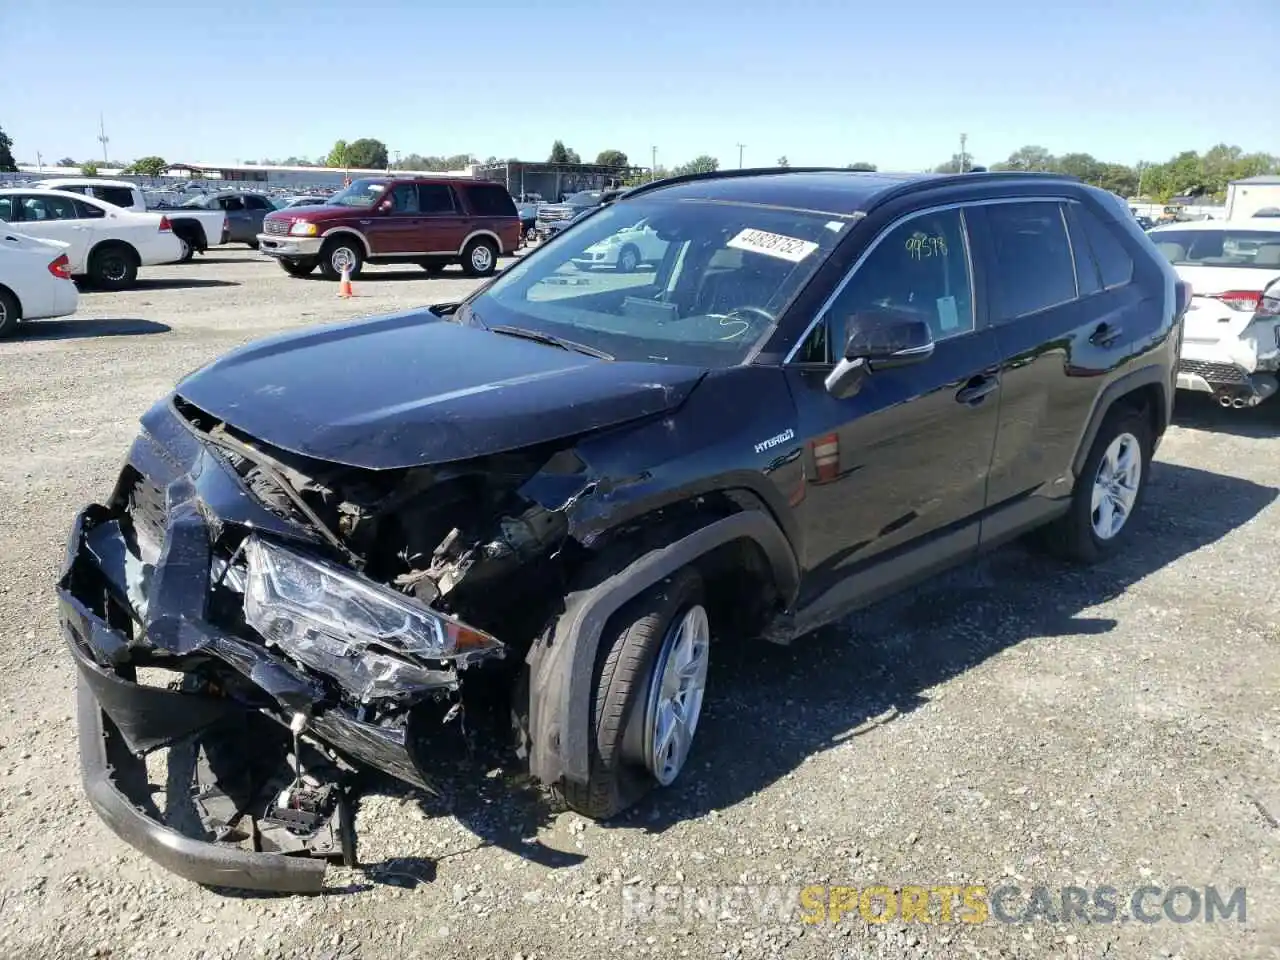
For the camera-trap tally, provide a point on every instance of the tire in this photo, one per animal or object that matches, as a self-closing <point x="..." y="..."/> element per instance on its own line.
<point x="251" y="244"/>
<point x="330" y="254"/>
<point x="188" y="251"/>
<point x="297" y="268"/>
<point x="10" y="313"/>
<point x="480" y="258"/>
<point x="114" y="266"/>
<point x="530" y="234"/>
<point x="628" y="259"/>
<point x="625" y="674"/>
<point x="1075" y="536"/>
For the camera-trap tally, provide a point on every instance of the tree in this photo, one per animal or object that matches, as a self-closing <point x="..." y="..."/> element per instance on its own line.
<point x="88" y="169"/>
<point x="338" y="155"/>
<point x="559" y="153"/>
<point x="783" y="161"/>
<point x="702" y="164"/>
<point x="367" y="154"/>
<point x="611" y="158"/>
<point x="148" y="167"/>
<point x="6" y="154"/>
<point x="863" y="166"/>
<point x="1080" y="165"/>
<point x="67" y="162"/>
<point x="955" y="165"/>
<point x="1027" y="158"/>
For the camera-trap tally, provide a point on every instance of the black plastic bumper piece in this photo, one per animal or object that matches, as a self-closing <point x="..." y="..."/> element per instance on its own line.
<point x="102" y="755"/>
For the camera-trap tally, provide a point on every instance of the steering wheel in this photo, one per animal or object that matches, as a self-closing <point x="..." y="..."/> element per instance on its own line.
<point x="734" y="331"/>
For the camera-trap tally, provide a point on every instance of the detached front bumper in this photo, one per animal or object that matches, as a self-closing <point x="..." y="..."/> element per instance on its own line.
<point x="274" y="245"/>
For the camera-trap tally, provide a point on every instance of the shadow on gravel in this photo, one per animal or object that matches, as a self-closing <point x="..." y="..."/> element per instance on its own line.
<point x="86" y="327"/>
<point x="1198" y="411"/>
<point x="146" y="285"/>
<point x="769" y="708"/>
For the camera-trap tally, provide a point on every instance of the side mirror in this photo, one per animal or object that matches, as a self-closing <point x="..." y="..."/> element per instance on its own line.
<point x="879" y="340"/>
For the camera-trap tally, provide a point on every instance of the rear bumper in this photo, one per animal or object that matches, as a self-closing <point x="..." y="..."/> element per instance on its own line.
<point x="274" y="245"/>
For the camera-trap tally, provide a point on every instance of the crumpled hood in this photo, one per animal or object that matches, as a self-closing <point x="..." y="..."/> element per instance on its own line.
<point x="411" y="389"/>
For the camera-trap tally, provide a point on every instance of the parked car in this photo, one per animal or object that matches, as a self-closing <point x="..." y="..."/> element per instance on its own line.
<point x="35" y="280"/>
<point x="574" y="206"/>
<point x="105" y="243"/>
<point x="834" y="384"/>
<point x="431" y="221"/>
<point x="1230" y="350"/>
<point x="303" y="202"/>
<point x="244" y="213"/>
<point x="625" y="251"/>
<point x="195" y="228"/>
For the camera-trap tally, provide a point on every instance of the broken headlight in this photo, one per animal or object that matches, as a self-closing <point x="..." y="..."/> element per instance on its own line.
<point x="369" y="638"/>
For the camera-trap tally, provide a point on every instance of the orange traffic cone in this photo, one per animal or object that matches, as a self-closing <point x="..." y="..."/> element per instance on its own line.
<point x="344" y="285"/>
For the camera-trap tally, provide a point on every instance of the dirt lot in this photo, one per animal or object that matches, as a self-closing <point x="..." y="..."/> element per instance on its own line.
<point x="1016" y="723"/>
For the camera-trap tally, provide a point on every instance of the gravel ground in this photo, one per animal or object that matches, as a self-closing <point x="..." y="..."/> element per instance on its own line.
<point x="1017" y="722"/>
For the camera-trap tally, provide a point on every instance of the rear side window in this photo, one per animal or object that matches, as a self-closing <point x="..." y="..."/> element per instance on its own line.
<point x="1114" y="262"/>
<point x="75" y="188"/>
<point x="6" y="208"/>
<point x="436" y="198"/>
<point x="490" y="200"/>
<point x="119" y="196"/>
<point x="1033" y="269"/>
<point x="87" y="211"/>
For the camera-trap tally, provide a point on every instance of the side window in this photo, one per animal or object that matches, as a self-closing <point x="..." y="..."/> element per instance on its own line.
<point x="75" y="188"/>
<point x="919" y="267"/>
<point x="1088" y="279"/>
<point x="119" y="196"/>
<point x="1033" y="269"/>
<point x="231" y="204"/>
<point x="87" y="211"/>
<point x="1113" y="259"/>
<point x="39" y="209"/>
<point x="257" y="203"/>
<point x="6" y="209"/>
<point x="436" y="198"/>
<point x="490" y="200"/>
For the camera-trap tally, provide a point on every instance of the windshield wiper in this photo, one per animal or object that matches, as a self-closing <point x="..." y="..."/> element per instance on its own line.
<point x="551" y="340"/>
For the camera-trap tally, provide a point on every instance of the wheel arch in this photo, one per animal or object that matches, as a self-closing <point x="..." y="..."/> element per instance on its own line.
<point x="191" y="230"/>
<point x="562" y="663"/>
<point x="111" y="242"/>
<point x="1146" y="390"/>
<point x="16" y="299"/>
<point x="352" y="231"/>
<point x="497" y="240"/>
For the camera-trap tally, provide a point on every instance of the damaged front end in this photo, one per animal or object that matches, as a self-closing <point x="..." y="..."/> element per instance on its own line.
<point x="311" y="619"/>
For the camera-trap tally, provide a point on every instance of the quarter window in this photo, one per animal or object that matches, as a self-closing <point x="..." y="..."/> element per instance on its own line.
<point x="1113" y="259"/>
<point x="920" y="267"/>
<point x="1032" y="268"/>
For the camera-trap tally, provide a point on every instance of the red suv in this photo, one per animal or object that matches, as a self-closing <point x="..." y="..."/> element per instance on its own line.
<point x="428" y="221"/>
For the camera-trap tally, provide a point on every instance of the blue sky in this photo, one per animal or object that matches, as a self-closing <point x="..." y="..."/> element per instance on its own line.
<point x="820" y="81"/>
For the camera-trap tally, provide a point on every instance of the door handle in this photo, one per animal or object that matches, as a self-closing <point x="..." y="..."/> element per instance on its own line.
<point x="1105" y="335"/>
<point x="976" y="389"/>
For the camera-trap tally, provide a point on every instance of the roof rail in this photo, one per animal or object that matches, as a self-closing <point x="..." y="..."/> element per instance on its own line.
<point x="726" y="174"/>
<point x="949" y="179"/>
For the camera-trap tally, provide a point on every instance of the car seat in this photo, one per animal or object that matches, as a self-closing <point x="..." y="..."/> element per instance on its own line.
<point x="1268" y="255"/>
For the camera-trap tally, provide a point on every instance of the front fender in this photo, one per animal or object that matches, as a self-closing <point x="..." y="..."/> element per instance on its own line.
<point x="562" y="666"/>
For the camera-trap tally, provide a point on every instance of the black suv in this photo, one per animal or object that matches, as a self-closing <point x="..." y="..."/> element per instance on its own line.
<point x="811" y="387"/>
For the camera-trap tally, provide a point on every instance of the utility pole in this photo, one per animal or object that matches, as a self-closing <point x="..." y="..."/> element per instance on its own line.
<point x="1142" y="169"/>
<point x="964" y="157"/>
<point x="39" y="162"/>
<point x="740" y="149"/>
<point x="653" y="164"/>
<point x="103" y="138"/>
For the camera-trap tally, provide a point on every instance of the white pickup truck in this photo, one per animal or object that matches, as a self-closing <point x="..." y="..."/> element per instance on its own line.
<point x="196" y="229"/>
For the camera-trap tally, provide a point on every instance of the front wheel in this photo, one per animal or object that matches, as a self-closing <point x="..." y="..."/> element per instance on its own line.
<point x="336" y="253"/>
<point x="1108" y="491"/>
<point x="650" y="680"/>
<point x="252" y="244"/>
<point x="628" y="259"/>
<point x="298" y="268"/>
<point x="480" y="258"/>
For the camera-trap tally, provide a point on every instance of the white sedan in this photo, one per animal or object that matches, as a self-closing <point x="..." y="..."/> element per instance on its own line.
<point x="1231" y="341"/>
<point x="625" y="251"/>
<point x="35" y="280"/>
<point x="105" y="244"/>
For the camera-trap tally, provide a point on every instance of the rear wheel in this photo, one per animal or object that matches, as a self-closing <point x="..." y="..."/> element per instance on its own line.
<point x="650" y="680"/>
<point x="338" y="251"/>
<point x="480" y="258"/>
<point x="188" y="251"/>
<point x="114" y="266"/>
<point x="298" y="268"/>
<point x="10" y="313"/>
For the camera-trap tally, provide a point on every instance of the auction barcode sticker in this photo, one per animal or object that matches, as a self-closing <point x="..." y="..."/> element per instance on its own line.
<point x="773" y="245"/>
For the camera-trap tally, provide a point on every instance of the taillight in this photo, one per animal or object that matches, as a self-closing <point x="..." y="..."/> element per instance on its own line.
<point x="61" y="267"/>
<point x="1269" y="302"/>
<point x="1246" y="300"/>
<point x="165" y="225"/>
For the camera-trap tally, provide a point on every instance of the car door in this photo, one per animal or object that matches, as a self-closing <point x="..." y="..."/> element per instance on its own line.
<point x="445" y="227"/>
<point x="1059" y="328"/>
<point x="395" y="225"/>
<point x="256" y="208"/>
<point x="49" y="216"/>
<point x="895" y="475"/>
<point x="238" y="226"/>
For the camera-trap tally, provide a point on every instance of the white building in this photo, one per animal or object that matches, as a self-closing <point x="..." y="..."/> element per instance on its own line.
<point x="1246" y="197"/>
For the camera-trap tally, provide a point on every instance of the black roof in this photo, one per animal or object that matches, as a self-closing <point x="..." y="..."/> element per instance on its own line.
<point x="834" y="191"/>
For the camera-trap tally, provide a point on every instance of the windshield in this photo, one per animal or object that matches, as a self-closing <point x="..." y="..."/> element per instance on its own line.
<point x="1219" y="248"/>
<point x="361" y="193"/>
<point x="669" y="281"/>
